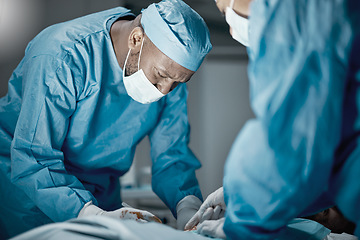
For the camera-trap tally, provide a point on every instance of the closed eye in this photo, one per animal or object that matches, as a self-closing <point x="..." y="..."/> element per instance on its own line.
<point x="161" y="75"/>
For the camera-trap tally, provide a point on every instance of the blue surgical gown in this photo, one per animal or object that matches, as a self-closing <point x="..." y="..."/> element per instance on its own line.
<point x="69" y="130"/>
<point x="301" y="153"/>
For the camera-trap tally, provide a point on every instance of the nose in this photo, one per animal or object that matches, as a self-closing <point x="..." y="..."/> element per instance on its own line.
<point x="164" y="86"/>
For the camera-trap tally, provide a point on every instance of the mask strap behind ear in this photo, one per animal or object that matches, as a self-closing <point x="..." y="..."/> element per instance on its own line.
<point x="232" y="4"/>
<point x="142" y="43"/>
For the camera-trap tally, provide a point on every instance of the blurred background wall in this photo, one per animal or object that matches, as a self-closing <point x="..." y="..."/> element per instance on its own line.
<point x="218" y="92"/>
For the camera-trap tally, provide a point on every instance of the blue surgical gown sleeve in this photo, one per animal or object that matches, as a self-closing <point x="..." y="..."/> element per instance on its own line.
<point x="48" y="101"/>
<point x="282" y="160"/>
<point x="174" y="164"/>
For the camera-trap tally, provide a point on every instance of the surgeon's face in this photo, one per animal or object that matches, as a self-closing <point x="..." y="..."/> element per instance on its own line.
<point x="162" y="71"/>
<point x="241" y="7"/>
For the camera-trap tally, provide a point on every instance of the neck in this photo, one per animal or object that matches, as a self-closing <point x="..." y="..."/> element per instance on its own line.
<point x="119" y="34"/>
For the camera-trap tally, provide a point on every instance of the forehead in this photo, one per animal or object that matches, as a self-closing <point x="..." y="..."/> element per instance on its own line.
<point x="162" y="62"/>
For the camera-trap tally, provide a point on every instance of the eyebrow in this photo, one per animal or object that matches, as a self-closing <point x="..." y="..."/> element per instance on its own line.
<point x="166" y="73"/>
<point x="163" y="71"/>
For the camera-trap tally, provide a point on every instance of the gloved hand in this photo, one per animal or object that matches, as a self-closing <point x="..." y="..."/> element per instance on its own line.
<point x="122" y="213"/>
<point x="185" y="209"/>
<point x="213" y="208"/>
<point x="212" y="228"/>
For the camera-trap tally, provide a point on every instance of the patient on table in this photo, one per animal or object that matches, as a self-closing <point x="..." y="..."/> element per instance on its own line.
<point x="101" y="227"/>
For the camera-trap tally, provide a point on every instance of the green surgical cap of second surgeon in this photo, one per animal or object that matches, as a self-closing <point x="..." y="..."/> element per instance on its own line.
<point x="177" y="31"/>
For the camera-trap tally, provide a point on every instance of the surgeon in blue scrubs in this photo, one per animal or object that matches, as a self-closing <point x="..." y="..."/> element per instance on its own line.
<point x="300" y="154"/>
<point x="85" y="94"/>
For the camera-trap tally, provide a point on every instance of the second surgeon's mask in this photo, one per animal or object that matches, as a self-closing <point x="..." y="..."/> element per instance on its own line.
<point x="138" y="86"/>
<point x="239" y="25"/>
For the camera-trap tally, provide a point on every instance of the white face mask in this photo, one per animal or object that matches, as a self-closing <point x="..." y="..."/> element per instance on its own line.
<point x="138" y="86"/>
<point x="239" y="25"/>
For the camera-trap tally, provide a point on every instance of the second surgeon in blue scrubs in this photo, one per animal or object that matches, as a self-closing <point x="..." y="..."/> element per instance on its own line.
<point x="300" y="154"/>
<point x="85" y="94"/>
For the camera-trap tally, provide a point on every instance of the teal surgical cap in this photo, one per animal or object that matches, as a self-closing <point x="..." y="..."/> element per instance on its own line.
<point x="177" y="31"/>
